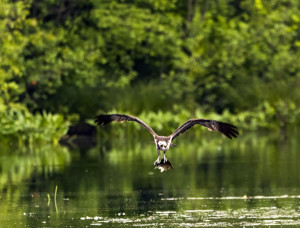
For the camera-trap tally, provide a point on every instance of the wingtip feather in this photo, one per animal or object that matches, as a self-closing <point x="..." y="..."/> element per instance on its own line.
<point x="101" y="120"/>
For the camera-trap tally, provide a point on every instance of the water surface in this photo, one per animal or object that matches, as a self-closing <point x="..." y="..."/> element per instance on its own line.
<point x="251" y="181"/>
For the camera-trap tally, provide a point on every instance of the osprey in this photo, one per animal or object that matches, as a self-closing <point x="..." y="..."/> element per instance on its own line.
<point x="163" y="143"/>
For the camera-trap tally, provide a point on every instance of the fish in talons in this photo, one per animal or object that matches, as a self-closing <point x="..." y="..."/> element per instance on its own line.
<point x="163" y="165"/>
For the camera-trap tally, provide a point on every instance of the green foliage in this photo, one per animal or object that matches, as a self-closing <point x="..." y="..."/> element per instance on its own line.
<point x="16" y="121"/>
<point x="234" y="58"/>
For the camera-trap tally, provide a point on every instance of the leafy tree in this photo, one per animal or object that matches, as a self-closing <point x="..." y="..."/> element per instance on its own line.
<point x="79" y="57"/>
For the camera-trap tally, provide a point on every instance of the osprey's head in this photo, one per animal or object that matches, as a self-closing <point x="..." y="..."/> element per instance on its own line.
<point x="162" y="145"/>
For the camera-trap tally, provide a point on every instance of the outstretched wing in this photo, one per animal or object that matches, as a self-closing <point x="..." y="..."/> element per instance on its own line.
<point x="106" y="119"/>
<point x="227" y="129"/>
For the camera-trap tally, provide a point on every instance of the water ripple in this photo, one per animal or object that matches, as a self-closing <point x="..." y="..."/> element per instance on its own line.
<point x="233" y="197"/>
<point x="265" y="216"/>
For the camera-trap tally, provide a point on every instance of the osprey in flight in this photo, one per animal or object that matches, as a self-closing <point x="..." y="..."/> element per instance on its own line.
<point x="163" y="143"/>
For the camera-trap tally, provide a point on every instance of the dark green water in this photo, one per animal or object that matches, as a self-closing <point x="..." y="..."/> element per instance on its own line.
<point x="251" y="181"/>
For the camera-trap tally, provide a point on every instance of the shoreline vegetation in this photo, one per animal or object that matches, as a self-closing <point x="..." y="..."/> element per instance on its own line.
<point x="164" y="61"/>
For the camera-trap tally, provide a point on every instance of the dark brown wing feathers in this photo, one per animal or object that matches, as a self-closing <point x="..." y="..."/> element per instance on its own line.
<point x="106" y="119"/>
<point x="228" y="130"/>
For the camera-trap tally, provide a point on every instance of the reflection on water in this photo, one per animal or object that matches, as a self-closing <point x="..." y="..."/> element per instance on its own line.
<point x="253" y="181"/>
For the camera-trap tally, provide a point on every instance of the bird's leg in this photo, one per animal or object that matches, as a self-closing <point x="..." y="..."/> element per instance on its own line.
<point x="165" y="159"/>
<point x="158" y="159"/>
